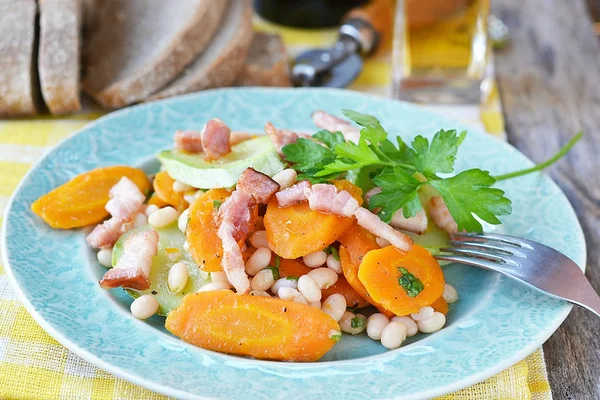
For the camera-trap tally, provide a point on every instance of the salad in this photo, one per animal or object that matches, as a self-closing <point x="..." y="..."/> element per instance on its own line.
<point x="274" y="246"/>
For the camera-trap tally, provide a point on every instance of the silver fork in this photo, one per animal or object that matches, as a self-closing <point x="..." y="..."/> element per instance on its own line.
<point x="528" y="262"/>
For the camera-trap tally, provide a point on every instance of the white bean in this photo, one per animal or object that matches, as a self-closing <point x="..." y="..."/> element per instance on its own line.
<point x="309" y="289"/>
<point x="424" y="313"/>
<point x="353" y="323"/>
<point x="260" y="293"/>
<point x="382" y="242"/>
<point x="284" y="282"/>
<point x="179" y="187"/>
<point x="433" y="324"/>
<point x="192" y="195"/>
<point x="139" y="220"/>
<point x="263" y="280"/>
<point x="409" y="323"/>
<point x="334" y="264"/>
<point x="375" y="325"/>
<point x="219" y="276"/>
<point x="186" y="246"/>
<point x="334" y="306"/>
<point x="144" y="306"/>
<point x="259" y="239"/>
<point x="316" y="304"/>
<point x="288" y="293"/>
<point x="183" y="220"/>
<point x="450" y="294"/>
<point x="178" y="277"/>
<point x="393" y="335"/>
<point x="209" y="287"/>
<point x="258" y="261"/>
<point x="316" y="259"/>
<point x="163" y="217"/>
<point x="151" y="209"/>
<point x="105" y="257"/>
<point x="324" y="277"/>
<point x="285" y="178"/>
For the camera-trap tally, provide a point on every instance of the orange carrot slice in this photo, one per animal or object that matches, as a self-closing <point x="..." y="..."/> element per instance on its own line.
<point x="353" y="298"/>
<point x="154" y="200"/>
<point x="163" y="189"/>
<point x="260" y="327"/>
<point x="296" y="231"/>
<point x="381" y="270"/>
<point x="81" y="201"/>
<point x="440" y="305"/>
<point x="355" y="191"/>
<point x="206" y="248"/>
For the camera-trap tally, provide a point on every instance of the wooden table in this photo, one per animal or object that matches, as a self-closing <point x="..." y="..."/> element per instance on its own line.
<point x="549" y="79"/>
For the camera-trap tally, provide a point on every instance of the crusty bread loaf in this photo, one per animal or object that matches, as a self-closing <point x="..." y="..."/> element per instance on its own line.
<point x="222" y="60"/>
<point x="59" y="54"/>
<point x="138" y="46"/>
<point x="267" y="63"/>
<point x="18" y="75"/>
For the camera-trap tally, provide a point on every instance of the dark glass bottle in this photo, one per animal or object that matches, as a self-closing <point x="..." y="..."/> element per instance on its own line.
<point x="305" y="13"/>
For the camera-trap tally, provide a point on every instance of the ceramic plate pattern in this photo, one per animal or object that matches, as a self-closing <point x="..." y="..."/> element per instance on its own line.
<point x="495" y="324"/>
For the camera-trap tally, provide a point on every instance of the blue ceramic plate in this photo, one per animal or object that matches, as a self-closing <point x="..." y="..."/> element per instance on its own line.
<point x="495" y="323"/>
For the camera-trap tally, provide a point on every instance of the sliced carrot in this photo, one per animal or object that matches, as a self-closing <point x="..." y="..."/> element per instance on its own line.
<point x="260" y="327"/>
<point x="81" y="201"/>
<point x="296" y="231"/>
<point x="380" y="271"/>
<point x="163" y="189"/>
<point x="440" y="305"/>
<point x="353" y="298"/>
<point x="355" y="191"/>
<point x="291" y="268"/>
<point x="154" y="200"/>
<point x="206" y="248"/>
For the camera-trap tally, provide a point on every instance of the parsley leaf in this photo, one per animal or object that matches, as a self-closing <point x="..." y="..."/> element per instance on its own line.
<point x="470" y="193"/>
<point x="292" y="278"/>
<point x="216" y="204"/>
<point x="358" y="322"/>
<point x="372" y="131"/>
<point x="274" y="271"/>
<point x="439" y="156"/>
<point x="410" y="283"/>
<point x="399" y="190"/>
<point x="310" y="157"/>
<point x="330" y="139"/>
<point x="333" y="251"/>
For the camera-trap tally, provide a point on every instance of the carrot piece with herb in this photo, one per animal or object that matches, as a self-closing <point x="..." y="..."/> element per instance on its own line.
<point x="260" y="327"/>
<point x="81" y="201"/>
<point x="296" y="231"/>
<point x="206" y="248"/>
<point x="402" y="282"/>
<point x="163" y="189"/>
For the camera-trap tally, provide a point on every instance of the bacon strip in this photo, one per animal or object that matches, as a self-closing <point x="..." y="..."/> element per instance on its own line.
<point x="377" y="227"/>
<point x="294" y="194"/>
<point x="134" y="266"/>
<point x="188" y="141"/>
<point x="441" y="215"/>
<point x="259" y="185"/>
<point x="332" y="123"/>
<point x="126" y="200"/>
<point x="326" y="198"/>
<point x="235" y="215"/>
<point x="215" y="139"/>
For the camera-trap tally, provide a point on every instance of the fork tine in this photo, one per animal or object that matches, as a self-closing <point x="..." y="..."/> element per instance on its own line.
<point x="490" y="246"/>
<point x="481" y="255"/>
<point x="492" y="237"/>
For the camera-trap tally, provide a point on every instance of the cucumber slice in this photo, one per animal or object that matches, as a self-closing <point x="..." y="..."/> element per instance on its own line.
<point x="170" y="237"/>
<point x="258" y="153"/>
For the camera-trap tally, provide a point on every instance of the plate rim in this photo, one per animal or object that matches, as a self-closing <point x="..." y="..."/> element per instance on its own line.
<point x="173" y="391"/>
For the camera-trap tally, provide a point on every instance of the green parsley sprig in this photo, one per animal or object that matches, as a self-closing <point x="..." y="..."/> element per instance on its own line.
<point x="402" y="171"/>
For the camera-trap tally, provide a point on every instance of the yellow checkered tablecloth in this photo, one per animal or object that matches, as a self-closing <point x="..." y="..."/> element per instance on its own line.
<point x="35" y="366"/>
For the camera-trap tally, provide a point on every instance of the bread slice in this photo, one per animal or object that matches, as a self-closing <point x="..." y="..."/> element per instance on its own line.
<point x="138" y="46"/>
<point x="18" y="75"/>
<point x="59" y="54"/>
<point x="222" y="61"/>
<point x="267" y="63"/>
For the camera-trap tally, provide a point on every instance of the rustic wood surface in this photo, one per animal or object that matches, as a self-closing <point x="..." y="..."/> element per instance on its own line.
<point x="549" y="79"/>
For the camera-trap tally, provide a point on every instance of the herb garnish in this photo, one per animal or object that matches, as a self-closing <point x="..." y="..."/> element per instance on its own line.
<point x="402" y="170"/>
<point x="333" y="251"/>
<point x="410" y="283"/>
<point x="357" y="322"/>
<point x="292" y="278"/>
<point x="217" y="204"/>
<point x="274" y="271"/>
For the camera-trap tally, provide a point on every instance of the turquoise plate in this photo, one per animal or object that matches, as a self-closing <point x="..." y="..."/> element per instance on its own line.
<point x="495" y="323"/>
